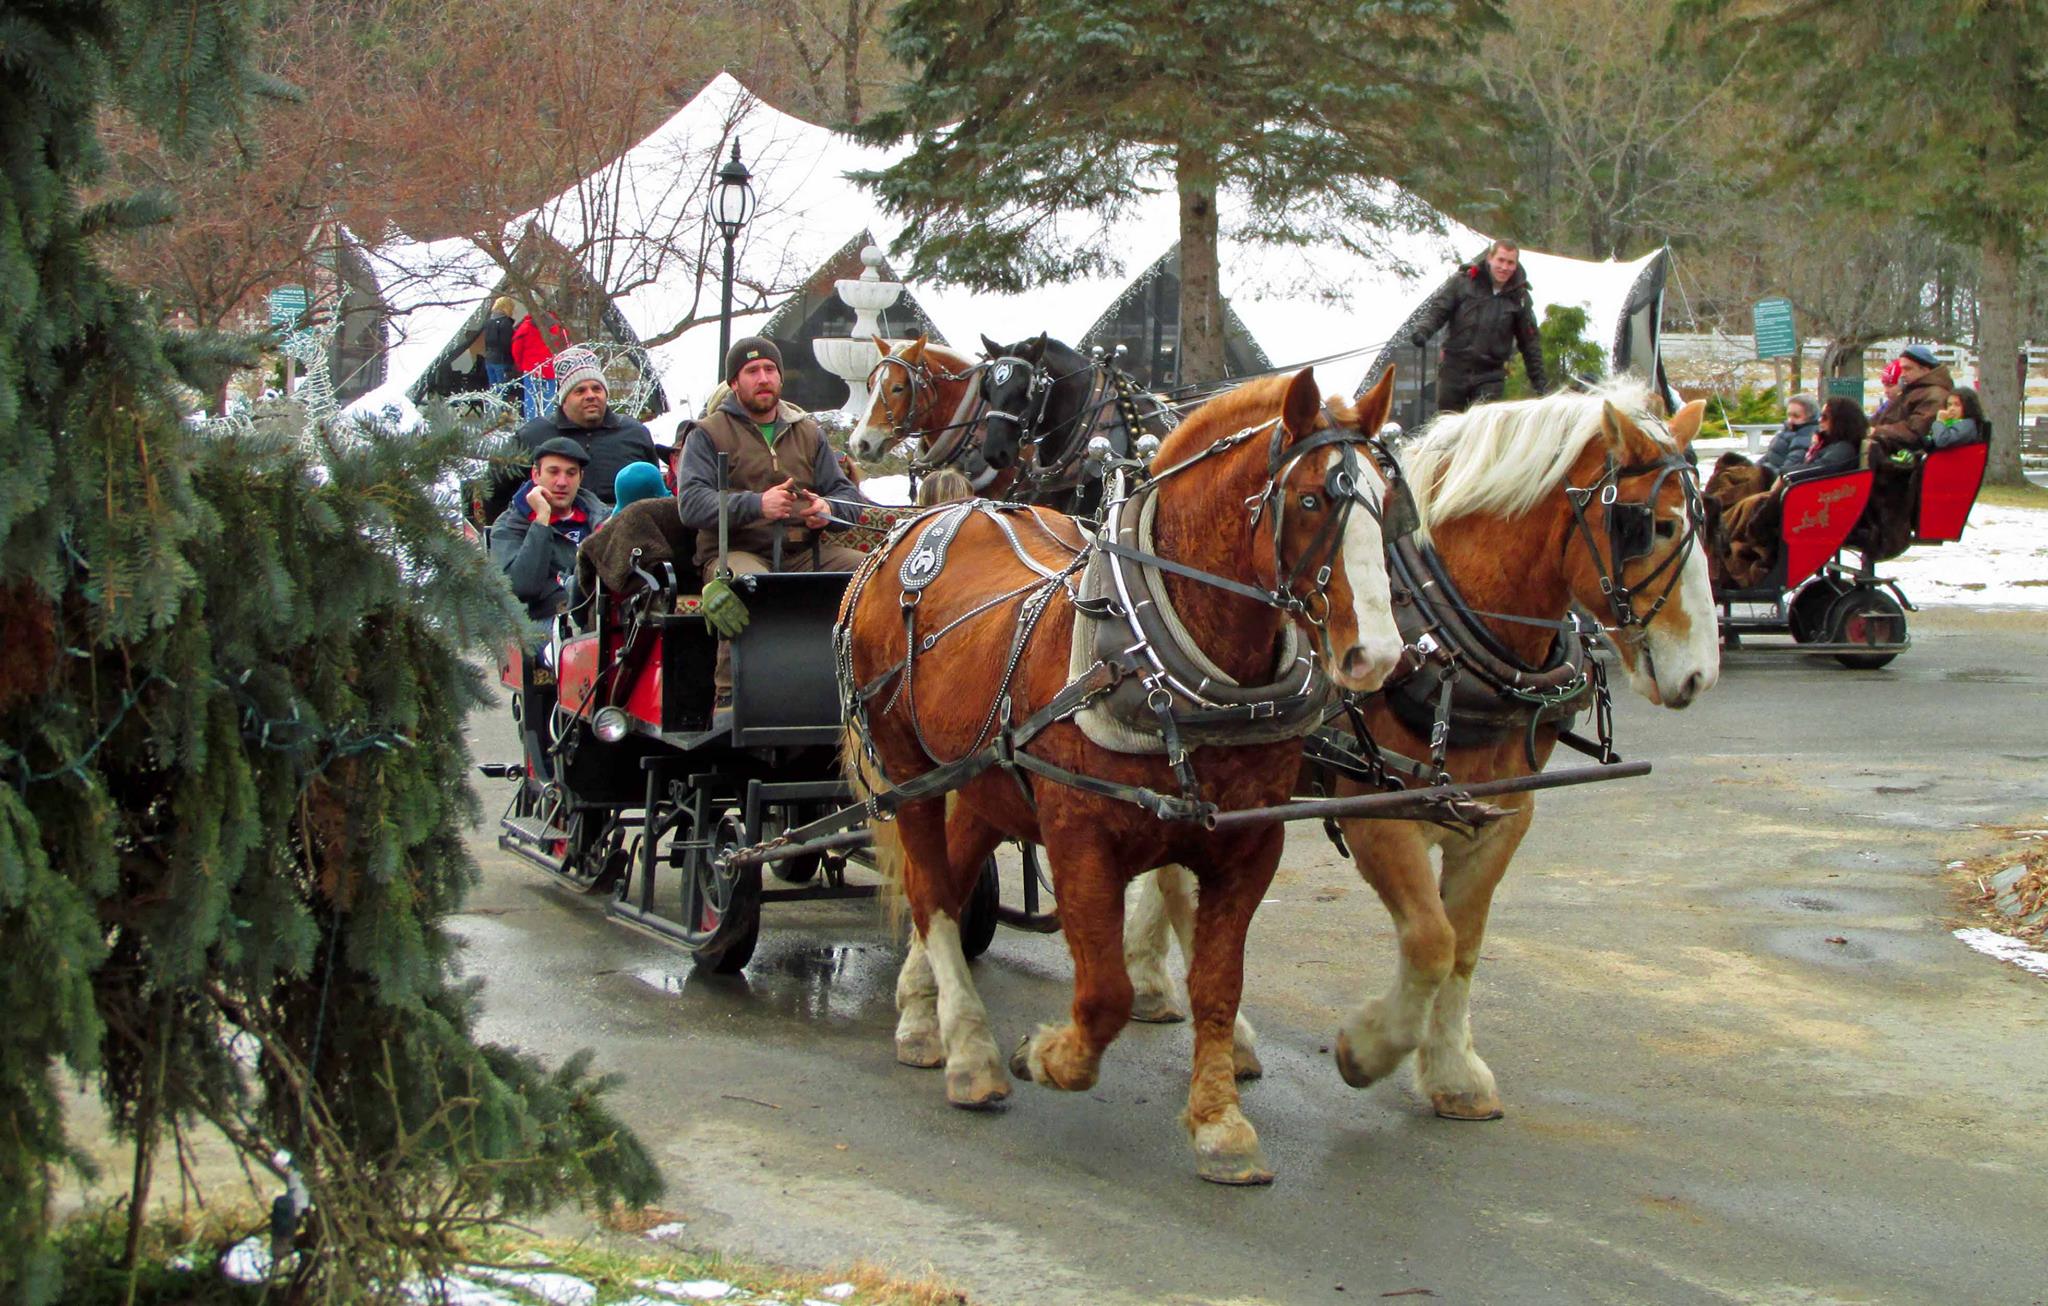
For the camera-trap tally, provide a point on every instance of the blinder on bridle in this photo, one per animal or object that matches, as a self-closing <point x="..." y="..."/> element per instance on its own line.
<point x="1029" y="411"/>
<point x="1634" y="531"/>
<point x="1343" y="487"/>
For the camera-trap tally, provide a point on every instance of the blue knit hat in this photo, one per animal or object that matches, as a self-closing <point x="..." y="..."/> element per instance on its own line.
<point x="1920" y="354"/>
<point x="637" y="481"/>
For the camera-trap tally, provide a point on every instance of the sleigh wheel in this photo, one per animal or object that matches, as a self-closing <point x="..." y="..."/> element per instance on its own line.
<point x="978" y="919"/>
<point x="721" y="908"/>
<point x="1866" y="616"/>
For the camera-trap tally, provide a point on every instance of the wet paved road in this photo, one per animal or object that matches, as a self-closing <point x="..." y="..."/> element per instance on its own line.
<point x="1706" y="1100"/>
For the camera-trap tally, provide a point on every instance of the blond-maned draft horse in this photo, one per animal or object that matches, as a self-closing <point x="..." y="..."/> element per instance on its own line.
<point x="1258" y="541"/>
<point x="928" y="394"/>
<point x="1532" y="506"/>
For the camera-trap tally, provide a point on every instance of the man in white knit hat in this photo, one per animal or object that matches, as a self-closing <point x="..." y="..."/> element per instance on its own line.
<point x="582" y="413"/>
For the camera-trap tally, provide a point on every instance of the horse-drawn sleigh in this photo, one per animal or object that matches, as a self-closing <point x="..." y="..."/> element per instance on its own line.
<point x="1167" y="687"/>
<point x="1829" y="606"/>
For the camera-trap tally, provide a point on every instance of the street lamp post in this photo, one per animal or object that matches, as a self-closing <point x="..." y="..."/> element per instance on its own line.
<point x="732" y="203"/>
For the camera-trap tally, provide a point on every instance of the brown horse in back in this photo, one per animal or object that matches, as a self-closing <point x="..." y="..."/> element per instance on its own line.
<point x="1532" y="506"/>
<point x="928" y="394"/>
<point x="947" y="644"/>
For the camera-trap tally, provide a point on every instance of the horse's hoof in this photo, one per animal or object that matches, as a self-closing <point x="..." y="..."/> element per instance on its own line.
<point x="1347" y="1065"/>
<point x="1247" y="1064"/>
<point x="1466" y="1106"/>
<point x="971" y="1089"/>
<point x="1156" y="1008"/>
<point x="1238" y="1173"/>
<point x="1020" y="1061"/>
<point x="925" y="1050"/>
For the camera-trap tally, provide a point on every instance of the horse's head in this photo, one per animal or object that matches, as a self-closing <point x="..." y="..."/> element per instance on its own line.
<point x="898" y="386"/>
<point x="1014" y="387"/>
<point x="1330" y="504"/>
<point x="1636" y="557"/>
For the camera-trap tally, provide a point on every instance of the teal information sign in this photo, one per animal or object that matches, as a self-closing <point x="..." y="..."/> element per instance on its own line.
<point x="1775" y="335"/>
<point x="1846" y="387"/>
<point x="288" y="305"/>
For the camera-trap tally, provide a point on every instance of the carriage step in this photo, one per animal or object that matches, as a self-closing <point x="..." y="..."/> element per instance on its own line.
<point x="501" y="770"/>
<point x="534" y="830"/>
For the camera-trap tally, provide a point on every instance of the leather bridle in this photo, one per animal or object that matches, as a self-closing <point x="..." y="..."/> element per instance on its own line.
<point x="1631" y="534"/>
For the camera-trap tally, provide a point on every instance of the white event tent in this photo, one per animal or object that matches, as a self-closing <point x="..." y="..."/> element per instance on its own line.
<point x="1295" y="302"/>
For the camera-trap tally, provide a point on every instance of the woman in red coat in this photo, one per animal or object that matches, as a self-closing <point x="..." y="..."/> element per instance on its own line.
<point x="533" y="352"/>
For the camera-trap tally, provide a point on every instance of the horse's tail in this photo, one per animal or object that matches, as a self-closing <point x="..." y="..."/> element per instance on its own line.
<point x="865" y="779"/>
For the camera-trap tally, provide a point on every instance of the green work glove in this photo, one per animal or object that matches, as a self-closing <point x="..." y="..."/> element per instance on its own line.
<point x="723" y="611"/>
<point x="1903" y="458"/>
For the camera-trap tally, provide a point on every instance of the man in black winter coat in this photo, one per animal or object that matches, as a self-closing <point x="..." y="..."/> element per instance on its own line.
<point x="1491" y="314"/>
<point x="582" y="413"/>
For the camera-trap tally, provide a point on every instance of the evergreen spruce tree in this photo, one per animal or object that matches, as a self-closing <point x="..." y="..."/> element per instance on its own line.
<point x="1028" y="112"/>
<point x="1567" y="354"/>
<point x="232" y="769"/>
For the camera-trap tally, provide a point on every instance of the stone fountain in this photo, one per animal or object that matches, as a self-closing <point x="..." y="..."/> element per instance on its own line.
<point x="851" y="358"/>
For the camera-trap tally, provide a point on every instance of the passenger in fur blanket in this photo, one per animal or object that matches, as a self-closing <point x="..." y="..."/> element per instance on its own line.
<point x="1745" y="503"/>
<point x="1737" y="492"/>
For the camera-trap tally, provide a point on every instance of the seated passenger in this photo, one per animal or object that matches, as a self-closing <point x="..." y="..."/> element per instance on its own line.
<point x="784" y="477"/>
<point x="1924" y="387"/>
<point x="946" y="485"/>
<point x="1961" y="420"/>
<point x="637" y="481"/>
<point x="1802" y="417"/>
<point x="534" y="541"/>
<point x="1837" y="441"/>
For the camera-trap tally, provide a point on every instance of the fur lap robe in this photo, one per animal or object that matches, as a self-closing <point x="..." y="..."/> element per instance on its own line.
<point x="652" y="526"/>
<point x="1742" y="523"/>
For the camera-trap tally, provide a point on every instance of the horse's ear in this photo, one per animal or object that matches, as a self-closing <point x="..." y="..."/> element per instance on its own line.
<point x="915" y="349"/>
<point x="1303" y="402"/>
<point x="989" y="348"/>
<point x="1034" y="351"/>
<point x="1615" y="428"/>
<point x="1685" y="427"/>
<point x="1376" y="404"/>
<point x="881" y="344"/>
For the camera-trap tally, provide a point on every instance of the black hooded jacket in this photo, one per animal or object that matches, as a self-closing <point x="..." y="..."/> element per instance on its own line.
<point x="1487" y="325"/>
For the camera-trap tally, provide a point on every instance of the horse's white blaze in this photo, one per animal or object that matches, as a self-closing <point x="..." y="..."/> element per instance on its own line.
<point x="1366" y="665"/>
<point x="1681" y="668"/>
<point x="869" y="439"/>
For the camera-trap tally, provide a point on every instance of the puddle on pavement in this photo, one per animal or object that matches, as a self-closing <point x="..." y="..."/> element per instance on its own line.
<point x="1859" y="948"/>
<point x="840" y="981"/>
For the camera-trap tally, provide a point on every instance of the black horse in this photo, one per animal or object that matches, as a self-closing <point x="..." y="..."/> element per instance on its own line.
<point x="1045" y="401"/>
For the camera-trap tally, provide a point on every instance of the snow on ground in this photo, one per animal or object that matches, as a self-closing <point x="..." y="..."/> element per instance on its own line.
<point x="2001" y="561"/>
<point x="2006" y="948"/>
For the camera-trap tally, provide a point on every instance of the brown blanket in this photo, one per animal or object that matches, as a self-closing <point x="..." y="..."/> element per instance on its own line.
<point x="655" y="528"/>
<point x="1742" y="523"/>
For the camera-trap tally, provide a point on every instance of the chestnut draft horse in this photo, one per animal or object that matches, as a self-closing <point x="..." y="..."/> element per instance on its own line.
<point x="928" y="393"/>
<point x="1531" y="506"/>
<point x="982" y="639"/>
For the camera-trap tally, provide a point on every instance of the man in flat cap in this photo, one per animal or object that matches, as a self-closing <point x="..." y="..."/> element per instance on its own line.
<point x="1924" y="387"/>
<point x="535" y="539"/>
<point x="582" y="414"/>
<point x="784" y="475"/>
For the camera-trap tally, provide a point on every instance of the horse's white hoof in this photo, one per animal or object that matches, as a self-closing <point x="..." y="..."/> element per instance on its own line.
<point x="921" y="1048"/>
<point x="1156" y="1007"/>
<point x="976" y="1088"/>
<point x="1466" y="1106"/>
